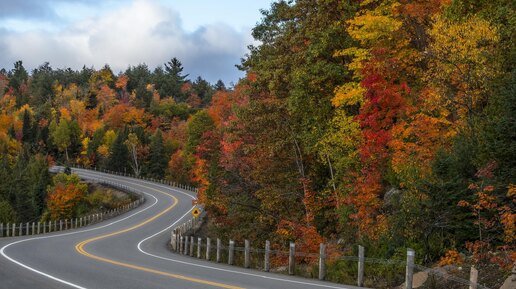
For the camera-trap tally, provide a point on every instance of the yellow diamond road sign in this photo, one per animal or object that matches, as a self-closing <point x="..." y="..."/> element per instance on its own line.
<point x="196" y="212"/>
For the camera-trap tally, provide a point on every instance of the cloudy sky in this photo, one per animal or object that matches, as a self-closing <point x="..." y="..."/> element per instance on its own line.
<point x="209" y="37"/>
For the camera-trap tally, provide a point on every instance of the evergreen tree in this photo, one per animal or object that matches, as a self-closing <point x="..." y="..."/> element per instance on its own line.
<point x="118" y="160"/>
<point x="18" y="77"/>
<point x="41" y="84"/>
<point x="139" y="74"/>
<point x="39" y="179"/>
<point x="158" y="159"/>
<point x="27" y="129"/>
<point x="203" y="89"/>
<point x="11" y="132"/>
<point x="173" y="80"/>
<point x="7" y="213"/>
<point x="220" y="85"/>
<point x="96" y="141"/>
<point x="143" y="95"/>
<point x="19" y="196"/>
<point x="75" y="138"/>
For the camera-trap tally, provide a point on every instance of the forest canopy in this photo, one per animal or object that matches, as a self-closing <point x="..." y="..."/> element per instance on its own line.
<point x="385" y="123"/>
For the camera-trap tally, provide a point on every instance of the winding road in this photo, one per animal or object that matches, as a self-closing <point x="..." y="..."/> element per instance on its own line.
<point x="129" y="251"/>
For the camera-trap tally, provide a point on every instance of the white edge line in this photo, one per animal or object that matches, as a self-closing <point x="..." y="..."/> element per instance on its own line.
<point x="139" y="246"/>
<point x="220" y="269"/>
<point x="2" y="250"/>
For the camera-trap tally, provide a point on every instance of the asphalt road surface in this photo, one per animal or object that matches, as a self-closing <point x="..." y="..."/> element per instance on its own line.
<point x="129" y="251"/>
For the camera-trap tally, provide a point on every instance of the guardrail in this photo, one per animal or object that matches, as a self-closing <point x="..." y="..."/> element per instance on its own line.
<point x="125" y="174"/>
<point x="184" y="242"/>
<point x="36" y="228"/>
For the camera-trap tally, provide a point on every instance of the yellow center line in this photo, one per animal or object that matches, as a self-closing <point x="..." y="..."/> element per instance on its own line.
<point x="80" y="248"/>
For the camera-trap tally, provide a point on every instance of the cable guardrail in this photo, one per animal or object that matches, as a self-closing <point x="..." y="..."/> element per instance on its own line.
<point x="183" y="242"/>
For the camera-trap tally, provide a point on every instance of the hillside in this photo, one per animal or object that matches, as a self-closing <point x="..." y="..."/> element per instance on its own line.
<point x="383" y="123"/>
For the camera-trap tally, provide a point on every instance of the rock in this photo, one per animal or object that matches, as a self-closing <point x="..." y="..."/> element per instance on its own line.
<point x="510" y="282"/>
<point x="419" y="279"/>
<point x="390" y="194"/>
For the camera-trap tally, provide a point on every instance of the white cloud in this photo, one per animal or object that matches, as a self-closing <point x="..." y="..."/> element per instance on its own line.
<point x="142" y="32"/>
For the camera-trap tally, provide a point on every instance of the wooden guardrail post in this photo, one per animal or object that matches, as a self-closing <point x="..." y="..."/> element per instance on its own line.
<point x="33" y="228"/>
<point x="199" y="244"/>
<point x="66" y="224"/>
<point x="291" y="258"/>
<point x="181" y="245"/>
<point x="55" y="225"/>
<point x="14" y="230"/>
<point x="76" y="222"/>
<point x="192" y="242"/>
<point x="173" y="241"/>
<point x="39" y="228"/>
<point x="44" y="227"/>
<point x="179" y="241"/>
<point x="49" y="226"/>
<point x="473" y="278"/>
<point x="247" y="255"/>
<point x="27" y="228"/>
<point x="186" y="245"/>
<point x="1" y="229"/>
<point x="410" y="269"/>
<point x="322" y="261"/>
<point x="361" y="260"/>
<point x="267" y="263"/>
<point x="208" y="248"/>
<point x="7" y="230"/>
<point x="218" y="250"/>
<point x="231" y="252"/>
<point x="20" y="229"/>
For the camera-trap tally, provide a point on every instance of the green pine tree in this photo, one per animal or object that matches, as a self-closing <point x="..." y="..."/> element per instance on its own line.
<point x="118" y="160"/>
<point x="27" y="133"/>
<point x="158" y="159"/>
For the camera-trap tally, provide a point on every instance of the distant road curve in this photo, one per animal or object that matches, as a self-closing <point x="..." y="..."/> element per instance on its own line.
<point x="129" y="251"/>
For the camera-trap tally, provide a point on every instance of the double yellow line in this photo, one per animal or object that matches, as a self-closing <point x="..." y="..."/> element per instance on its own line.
<point x="80" y="248"/>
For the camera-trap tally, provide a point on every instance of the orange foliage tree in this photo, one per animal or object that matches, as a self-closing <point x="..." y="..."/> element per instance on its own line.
<point x="64" y="196"/>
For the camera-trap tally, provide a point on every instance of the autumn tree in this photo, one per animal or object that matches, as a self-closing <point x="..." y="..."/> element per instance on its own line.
<point x="197" y="125"/>
<point x="134" y="146"/>
<point x="64" y="196"/>
<point x="61" y="137"/>
<point x="291" y="79"/>
<point x="178" y="167"/>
